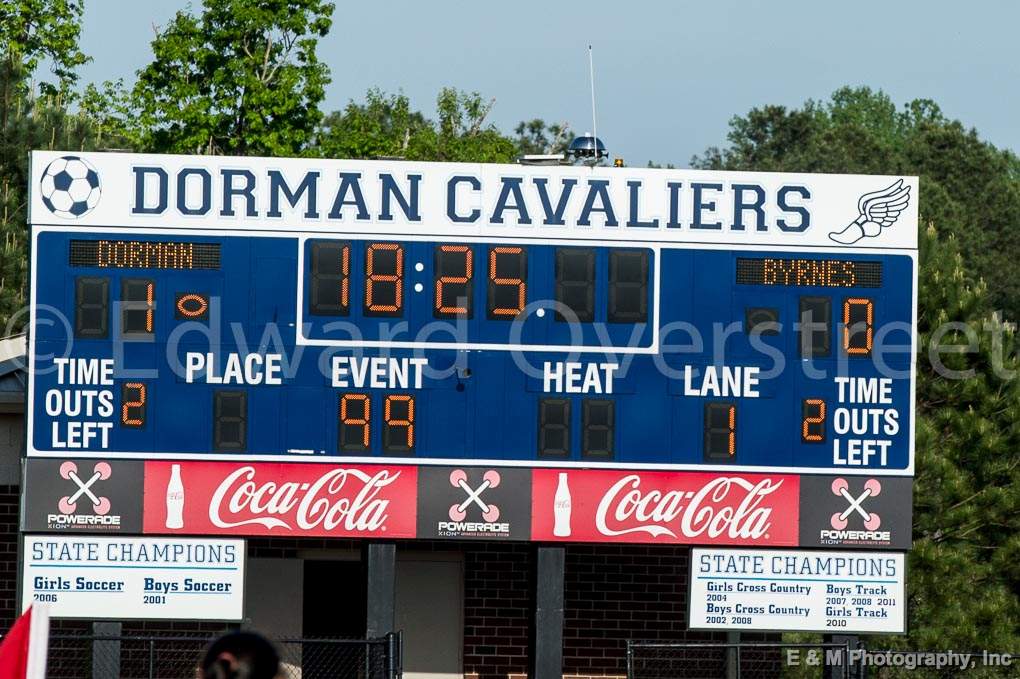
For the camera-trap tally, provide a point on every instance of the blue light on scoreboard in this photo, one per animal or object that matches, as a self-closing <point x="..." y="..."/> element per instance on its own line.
<point x="522" y="351"/>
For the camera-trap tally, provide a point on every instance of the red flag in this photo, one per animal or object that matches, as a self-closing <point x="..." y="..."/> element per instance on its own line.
<point x="23" y="649"/>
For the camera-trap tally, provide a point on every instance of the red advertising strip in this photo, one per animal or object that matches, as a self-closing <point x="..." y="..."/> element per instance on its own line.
<point x="289" y="499"/>
<point x="584" y="505"/>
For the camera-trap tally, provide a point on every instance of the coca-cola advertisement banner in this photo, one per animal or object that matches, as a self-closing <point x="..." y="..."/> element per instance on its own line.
<point x="301" y="499"/>
<point x="287" y="499"/>
<point x="664" y="507"/>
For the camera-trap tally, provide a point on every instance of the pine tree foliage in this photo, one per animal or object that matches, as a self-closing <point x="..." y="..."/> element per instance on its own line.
<point x="33" y="118"/>
<point x="967" y="186"/>
<point x="964" y="575"/>
<point x="32" y="122"/>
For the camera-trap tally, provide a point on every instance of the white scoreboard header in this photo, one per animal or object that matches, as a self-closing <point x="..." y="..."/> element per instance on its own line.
<point x="462" y="200"/>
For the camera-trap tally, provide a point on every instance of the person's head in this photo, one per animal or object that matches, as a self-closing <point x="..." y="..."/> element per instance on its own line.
<point x="240" y="655"/>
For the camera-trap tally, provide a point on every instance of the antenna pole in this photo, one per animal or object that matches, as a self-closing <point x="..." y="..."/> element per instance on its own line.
<point x="591" y="74"/>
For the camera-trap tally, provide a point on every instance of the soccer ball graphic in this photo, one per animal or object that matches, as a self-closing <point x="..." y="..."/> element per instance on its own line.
<point x="70" y="187"/>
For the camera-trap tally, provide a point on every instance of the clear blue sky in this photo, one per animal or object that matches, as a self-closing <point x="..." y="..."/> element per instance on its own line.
<point x="669" y="75"/>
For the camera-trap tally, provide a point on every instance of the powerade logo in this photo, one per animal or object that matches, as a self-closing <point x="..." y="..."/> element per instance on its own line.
<point x="855" y="507"/>
<point x="480" y="503"/>
<point x="839" y="537"/>
<point x="82" y="497"/>
<point x="72" y="520"/>
<point x="456" y="526"/>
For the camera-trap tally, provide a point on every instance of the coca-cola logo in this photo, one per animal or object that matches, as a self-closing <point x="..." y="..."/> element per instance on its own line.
<point x="727" y="506"/>
<point x="344" y="498"/>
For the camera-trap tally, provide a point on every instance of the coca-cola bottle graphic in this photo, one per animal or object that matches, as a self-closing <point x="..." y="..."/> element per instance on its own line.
<point x="561" y="508"/>
<point x="175" y="499"/>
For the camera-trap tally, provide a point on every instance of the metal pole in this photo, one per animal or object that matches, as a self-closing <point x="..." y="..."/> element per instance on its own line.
<point x="152" y="659"/>
<point x="844" y="671"/>
<point x="733" y="655"/>
<point x="106" y="650"/>
<point x="547" y="630"/>
<point x="380" y="571"/>
<point x="391" y="647"/>
<point x="630" y="659"/>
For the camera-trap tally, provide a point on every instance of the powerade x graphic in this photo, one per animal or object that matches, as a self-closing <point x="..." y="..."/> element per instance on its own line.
<point x="393" y="312"/>
<point x="872" y="520"/>
<point x="68" y="503"/>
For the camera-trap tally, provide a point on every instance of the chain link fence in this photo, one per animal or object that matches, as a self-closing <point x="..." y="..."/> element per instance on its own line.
<point x="75" y="656"/>
<point x="786" y="660"/>
<point x="747" y="660"/>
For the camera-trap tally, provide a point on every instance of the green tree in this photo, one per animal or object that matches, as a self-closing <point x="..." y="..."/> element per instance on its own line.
<point x="964" y="572"/>
<point x="386" y="127"/>
<point x="32" y="30"/>
<point x="538" y="137"/>
<point x="32" y="122"/>
<point x="968" y="187"/>
<point x="242" y="78"/>
<point x="963" y="577"/>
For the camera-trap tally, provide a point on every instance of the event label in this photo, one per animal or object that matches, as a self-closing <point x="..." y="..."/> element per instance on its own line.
<point x="806" y="591"/>
<point x="131" y="578"/>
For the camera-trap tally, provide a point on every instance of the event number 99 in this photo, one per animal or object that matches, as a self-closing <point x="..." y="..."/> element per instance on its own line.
<point x="356" y="416"/>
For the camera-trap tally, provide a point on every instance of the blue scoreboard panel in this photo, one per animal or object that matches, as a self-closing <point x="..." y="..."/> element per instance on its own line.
<point x="158" y="334"/>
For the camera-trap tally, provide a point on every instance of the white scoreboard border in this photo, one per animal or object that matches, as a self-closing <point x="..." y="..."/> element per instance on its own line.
<point x="656" y="245"/>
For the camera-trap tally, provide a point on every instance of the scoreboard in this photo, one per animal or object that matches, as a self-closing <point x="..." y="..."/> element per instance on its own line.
<point x="283" y="309"/>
